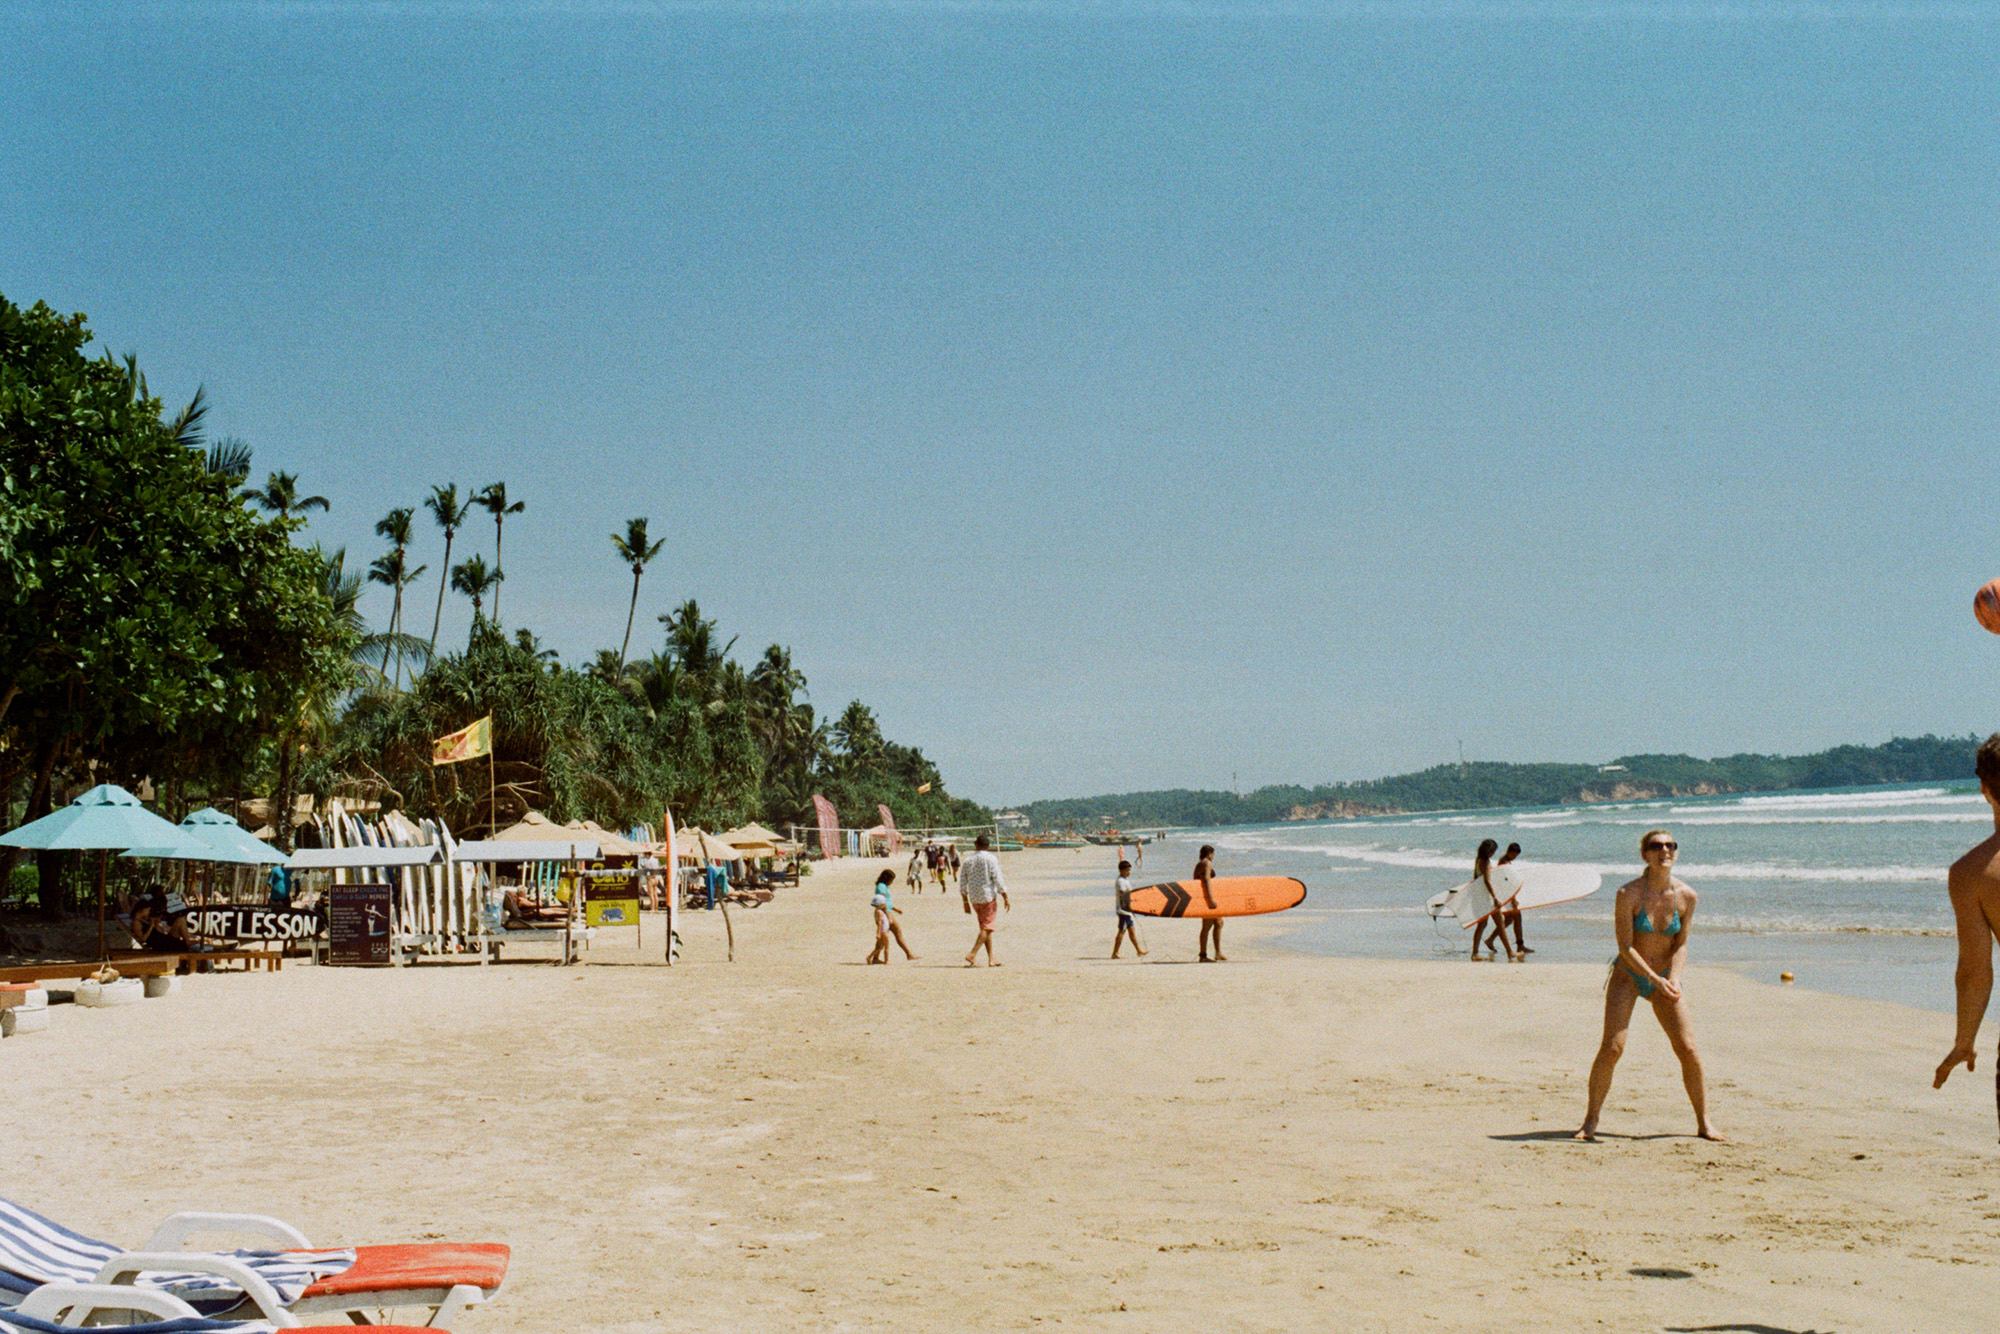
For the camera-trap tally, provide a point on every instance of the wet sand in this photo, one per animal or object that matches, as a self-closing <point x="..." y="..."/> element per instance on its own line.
<point x="797" y="1141"/>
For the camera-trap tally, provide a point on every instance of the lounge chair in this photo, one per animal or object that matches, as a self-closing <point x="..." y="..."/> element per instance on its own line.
<point x="58" y="1308"/>
<point x="276" y="1286"/>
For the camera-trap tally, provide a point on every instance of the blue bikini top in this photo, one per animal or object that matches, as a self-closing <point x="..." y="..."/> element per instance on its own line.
<point x="1641" y="922"/>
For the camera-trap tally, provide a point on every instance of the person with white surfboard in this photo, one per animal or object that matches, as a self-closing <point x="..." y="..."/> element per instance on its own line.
<point x="1485" y="902"/>
<point x="1653" y="917"/>
<point x="1510" y="912"/>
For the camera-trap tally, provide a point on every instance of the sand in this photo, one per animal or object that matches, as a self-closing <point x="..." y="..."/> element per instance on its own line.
<point x="796" y="1141"/>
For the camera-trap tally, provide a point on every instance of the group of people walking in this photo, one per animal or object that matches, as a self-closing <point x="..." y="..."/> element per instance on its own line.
<point x="981" y="889"/>
<point x="940" y="860"/>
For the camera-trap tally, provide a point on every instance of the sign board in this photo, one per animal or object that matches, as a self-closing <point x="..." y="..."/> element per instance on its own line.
<point x="611" y="895"/>
<point x="232" y="923"/>
<point x="358" y="923"/>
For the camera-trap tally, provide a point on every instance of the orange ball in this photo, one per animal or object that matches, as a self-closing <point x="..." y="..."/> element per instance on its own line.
<point x="1986" y="606"/>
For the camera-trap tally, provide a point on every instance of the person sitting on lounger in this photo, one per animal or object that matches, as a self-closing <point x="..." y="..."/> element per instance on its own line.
<point x="155" y="929"/>
<point x="520" y="907"/>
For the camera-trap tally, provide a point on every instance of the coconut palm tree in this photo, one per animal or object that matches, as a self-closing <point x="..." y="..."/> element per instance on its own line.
<point x="494" y="498"/>
<point x="691" y="643"/>
<point x="280" y="495"/>
<point x="473" y="578"/>
<point x="450" y="513"/>
<point x="229" y="458"/>
<point x="395" y="525"/>
<point x="632" y="549"/>
<point x="391" y="570"/>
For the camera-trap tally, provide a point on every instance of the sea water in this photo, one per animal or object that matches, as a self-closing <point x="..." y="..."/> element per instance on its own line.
<point x="1844" y="889"/>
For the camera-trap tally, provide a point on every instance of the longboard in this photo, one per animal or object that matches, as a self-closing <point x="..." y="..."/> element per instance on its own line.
<point x="1539" y="887"/>
<point x="1235" y="896"/>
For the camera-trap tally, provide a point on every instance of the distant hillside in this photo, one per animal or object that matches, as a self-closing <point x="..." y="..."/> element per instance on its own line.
<point x="1486" y="785"/>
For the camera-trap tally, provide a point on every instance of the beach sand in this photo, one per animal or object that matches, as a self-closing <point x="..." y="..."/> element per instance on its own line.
<point x="796" y="1141"/>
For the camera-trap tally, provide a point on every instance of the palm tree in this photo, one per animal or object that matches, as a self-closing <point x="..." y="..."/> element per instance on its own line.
<point x="395" y="525"/>
<point x="445" y="507"/>
<point x="472" y="578"/>
<point x="494" y="498"/>
<point x="632" y="549"/>
<point x="859" y="735"/>
<point x="391" y="570"/>
<point x="229" y="458"/>
<point x="691" y="643"/>
<point x="280" y="495"/>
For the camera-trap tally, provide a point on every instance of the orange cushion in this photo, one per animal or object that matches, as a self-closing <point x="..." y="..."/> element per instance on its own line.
<point x="423" y="1265"/>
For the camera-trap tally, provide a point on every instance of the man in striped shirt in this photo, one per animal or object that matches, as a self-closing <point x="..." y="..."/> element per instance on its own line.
<point x="979" y="885"/>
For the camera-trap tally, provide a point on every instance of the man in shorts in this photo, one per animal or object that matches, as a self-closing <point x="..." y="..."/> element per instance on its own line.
<point x="1121" y="896"/>
<point x="984" y="892"/>
<point x="1975" y="902"/>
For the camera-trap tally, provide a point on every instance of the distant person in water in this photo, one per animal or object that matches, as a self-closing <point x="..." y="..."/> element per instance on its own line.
<point x="1482" y="903"/>
<point x="1121" y="898"/>
<point x="1975" y="903"/>
<point x="1211" y="927"/>
<point x="983" y="891"/>
<point x="886" y="912"/>
<point x="1510" y="915"/>
<point x="1653" y="917"/>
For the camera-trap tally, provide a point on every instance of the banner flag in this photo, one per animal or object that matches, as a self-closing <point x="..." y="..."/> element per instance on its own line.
<point x="829" y="827"/>
<point x="467" y="743"/>
<point x="889" y="823"/>
<point x="923" y="788"/>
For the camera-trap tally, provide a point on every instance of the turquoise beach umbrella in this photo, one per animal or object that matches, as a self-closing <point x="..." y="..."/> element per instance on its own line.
<point x="106" y="819"/>
<point x="212" y="836"/>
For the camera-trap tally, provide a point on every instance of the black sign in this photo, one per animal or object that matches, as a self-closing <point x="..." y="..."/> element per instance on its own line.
<point x="358" y="923"/>
<point x="239" y="924"/>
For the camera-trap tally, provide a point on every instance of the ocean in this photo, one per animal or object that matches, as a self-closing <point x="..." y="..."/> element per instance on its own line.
<point x="1844" y="889"/>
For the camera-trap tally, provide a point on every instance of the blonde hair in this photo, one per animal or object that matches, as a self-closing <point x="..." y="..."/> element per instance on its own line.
<point x="1649" y="836"/>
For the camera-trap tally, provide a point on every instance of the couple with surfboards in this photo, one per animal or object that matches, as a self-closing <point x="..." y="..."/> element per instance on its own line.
<point x="1207" y="896"/>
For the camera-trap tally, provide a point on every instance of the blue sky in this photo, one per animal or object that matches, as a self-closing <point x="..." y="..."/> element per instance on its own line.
<point x="1114" y="396"/>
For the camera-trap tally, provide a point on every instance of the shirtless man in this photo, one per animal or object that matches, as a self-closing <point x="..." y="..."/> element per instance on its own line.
<point x="1975" y="901"/>
<point x="1211" y="927"/>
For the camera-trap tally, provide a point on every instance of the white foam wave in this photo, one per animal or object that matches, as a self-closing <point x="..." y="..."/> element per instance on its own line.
<point x="1803" y="926"/>
<point x="1899" y="797"/>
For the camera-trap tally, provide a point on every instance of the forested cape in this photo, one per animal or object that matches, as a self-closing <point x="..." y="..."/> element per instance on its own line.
<point x="163" y="621"/>
<point x="1486" y="785"/>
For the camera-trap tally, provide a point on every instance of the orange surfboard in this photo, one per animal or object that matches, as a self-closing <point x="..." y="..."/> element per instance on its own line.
<point x="1235" y="896"/>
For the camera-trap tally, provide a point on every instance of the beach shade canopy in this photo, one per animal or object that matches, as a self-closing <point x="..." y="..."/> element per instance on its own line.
<point x="534" y="827"/>
<point x="105" y="819"/>
<point x="610" y="843"/>
<point x="219" y="839"/>
<point x="754" y="833"/>
<point x="694" y="845"/>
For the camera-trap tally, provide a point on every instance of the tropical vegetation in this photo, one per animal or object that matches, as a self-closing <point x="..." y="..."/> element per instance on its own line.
<point x="165" y="623"/>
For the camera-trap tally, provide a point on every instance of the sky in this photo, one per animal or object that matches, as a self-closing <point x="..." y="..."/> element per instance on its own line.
<point x="1113" y="396"/>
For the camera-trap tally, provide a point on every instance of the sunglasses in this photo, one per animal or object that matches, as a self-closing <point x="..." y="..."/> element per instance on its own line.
<point x="1661" y="845"/>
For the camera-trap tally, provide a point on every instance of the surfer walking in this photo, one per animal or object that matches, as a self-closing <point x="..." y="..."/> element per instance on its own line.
<point x="1486" y="905"/>
<point x="983" y="891"/>
<point x="1211" y="927"/>
<point x="1510" y="913"/>
<point x="1975" y="904"/>
<point x="1653" y="917"/>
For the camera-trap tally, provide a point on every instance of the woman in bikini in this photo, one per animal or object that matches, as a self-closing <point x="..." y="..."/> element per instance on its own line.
<point x="1654" y="915"/>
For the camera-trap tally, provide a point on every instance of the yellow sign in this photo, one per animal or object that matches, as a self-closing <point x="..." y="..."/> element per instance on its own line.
<point x="467" y="743"/>
<point x="611" y="912"/>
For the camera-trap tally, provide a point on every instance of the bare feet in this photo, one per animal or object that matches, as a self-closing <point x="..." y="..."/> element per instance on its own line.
<point x="1588" y="1134"/>
<point x="1712" y="1135"/>
<point x="1142" y="954"/>
<point x="1220" y="957"/>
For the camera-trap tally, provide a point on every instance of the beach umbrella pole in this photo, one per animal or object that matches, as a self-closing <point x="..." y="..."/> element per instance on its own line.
<point x="103" y="859"/>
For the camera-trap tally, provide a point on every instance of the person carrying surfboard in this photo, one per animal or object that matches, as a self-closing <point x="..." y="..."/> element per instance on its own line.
<point x="1121" y="895"/>
<point x="1509" y="913"/>
<point x="1486" y="903"/>
<point x="1211" y="927"/>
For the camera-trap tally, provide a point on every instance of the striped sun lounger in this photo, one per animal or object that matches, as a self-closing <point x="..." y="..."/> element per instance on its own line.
<point x="61" y="1308"/>
<point x="276" y="1285"/>
<point x="35" y="1250"/>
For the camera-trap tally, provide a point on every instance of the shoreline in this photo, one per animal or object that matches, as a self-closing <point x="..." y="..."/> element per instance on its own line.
<point x="797" y="1140"/>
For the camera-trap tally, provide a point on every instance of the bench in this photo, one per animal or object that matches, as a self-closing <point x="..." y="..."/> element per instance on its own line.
<point x="248" y="960"/>
<point x="151" y="965"/>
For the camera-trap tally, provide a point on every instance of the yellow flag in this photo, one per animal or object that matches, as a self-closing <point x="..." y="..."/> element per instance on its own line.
<point x="467" y="743"/>
<point x="923" y="788"/>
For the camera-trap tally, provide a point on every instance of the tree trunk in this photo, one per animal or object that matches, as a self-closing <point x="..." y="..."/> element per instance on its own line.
<point x="629" y="613"/>
<point x="443" y="576"/>
<point x="281" y="814"/>
<point x="499" y="571"/>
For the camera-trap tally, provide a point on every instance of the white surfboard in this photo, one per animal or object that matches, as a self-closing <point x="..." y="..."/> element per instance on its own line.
<point x="1535" y="886"/>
